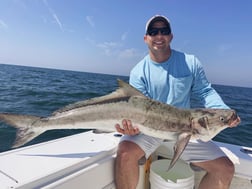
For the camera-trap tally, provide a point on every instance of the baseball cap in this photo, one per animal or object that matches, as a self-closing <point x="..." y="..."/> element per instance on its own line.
<point x="155" y="18"/>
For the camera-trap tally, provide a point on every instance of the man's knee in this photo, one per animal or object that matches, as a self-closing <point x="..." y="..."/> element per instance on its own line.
<point x="228" y="166"/>
<point x="222" y="165"/>
<point x="129" y="151"/>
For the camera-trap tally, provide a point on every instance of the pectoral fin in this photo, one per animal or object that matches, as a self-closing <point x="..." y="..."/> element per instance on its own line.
<point x="179" y="147"/>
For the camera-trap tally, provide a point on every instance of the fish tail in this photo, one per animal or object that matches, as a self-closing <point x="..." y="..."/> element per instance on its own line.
<point x="23" y="123"/>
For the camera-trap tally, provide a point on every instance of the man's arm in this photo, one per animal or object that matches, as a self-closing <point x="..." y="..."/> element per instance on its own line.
<point x="203" y="90"/>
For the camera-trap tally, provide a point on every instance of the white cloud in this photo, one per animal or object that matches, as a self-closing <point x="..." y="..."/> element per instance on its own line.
<point x="57" y="21"/>
<point x="54" y="15"/>
<point x="109" y="48"/>
<point x="117" y="51"/>
<point x="129" y="53"/>
<point x="90" y="21"/>
<point x="3" y="25"/>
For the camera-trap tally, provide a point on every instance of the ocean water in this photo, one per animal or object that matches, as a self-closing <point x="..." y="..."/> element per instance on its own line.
<point x="40" y="91"/>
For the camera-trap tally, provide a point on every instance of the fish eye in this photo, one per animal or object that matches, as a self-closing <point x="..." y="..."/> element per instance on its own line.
<point x="222" y="119"/>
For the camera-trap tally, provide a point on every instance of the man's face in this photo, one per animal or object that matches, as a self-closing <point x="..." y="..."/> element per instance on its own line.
<point x="158" y="38"/>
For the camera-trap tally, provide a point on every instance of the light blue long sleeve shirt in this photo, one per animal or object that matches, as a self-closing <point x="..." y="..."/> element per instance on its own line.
<point x="174" y="81"/>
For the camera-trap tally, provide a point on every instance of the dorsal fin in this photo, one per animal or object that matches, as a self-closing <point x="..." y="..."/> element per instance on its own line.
<point x="127" y="89"/>
<point x="124" y="92"/>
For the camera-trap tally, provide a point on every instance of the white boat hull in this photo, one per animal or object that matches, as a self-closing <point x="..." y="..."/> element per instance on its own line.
<point x="86" y="160"/>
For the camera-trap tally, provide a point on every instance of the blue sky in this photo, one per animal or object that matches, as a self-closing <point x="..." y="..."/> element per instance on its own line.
<point x="107" y="36"/>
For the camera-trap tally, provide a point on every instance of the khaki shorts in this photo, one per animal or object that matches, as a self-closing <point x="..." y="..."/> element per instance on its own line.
<point x="195" y="151"/>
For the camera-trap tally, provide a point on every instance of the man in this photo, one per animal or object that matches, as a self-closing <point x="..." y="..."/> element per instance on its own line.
<point x="171" y="77"/>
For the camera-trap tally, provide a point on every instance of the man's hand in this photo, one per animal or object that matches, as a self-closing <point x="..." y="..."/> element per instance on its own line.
<point x="127" y="128"/>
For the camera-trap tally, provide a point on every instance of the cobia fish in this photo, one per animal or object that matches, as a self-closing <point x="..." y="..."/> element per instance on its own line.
<point x="151" y="117"/>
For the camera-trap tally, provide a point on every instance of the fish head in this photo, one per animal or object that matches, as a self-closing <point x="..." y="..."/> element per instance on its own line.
<point x="207" y="123"/>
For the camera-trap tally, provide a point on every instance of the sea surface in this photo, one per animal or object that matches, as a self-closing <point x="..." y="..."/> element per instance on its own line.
<point x="40" y="91"/>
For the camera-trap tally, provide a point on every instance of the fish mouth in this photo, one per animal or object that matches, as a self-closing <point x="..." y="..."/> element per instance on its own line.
<point x="234" y="120"/>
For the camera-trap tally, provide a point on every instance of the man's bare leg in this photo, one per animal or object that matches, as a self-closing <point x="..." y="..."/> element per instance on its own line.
<point x="219" y="173"/>
<point x="126" y="165"/>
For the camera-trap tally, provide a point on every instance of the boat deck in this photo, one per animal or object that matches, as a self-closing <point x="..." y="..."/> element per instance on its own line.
<point x="74" y="162"/>
<point x="42" y="164"/>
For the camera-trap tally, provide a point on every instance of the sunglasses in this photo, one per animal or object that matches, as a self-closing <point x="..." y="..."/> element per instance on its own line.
<point x="155" y="31"/>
